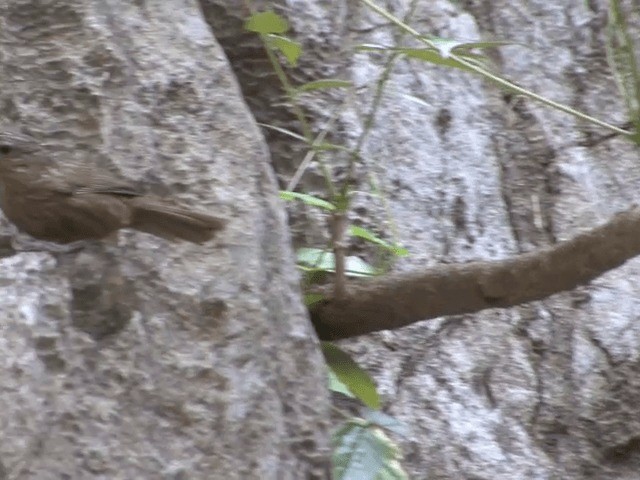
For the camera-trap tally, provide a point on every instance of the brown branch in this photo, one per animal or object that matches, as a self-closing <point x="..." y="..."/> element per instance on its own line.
<point x="399" y="300"/>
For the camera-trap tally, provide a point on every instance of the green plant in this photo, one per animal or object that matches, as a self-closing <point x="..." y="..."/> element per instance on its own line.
<point x="361" y="448"/>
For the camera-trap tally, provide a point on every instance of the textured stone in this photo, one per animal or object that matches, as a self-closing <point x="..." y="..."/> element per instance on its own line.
<point x="139" y="358"/>
<point x="470" y="172"/>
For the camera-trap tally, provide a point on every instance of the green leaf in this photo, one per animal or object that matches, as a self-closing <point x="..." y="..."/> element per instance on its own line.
<point x="356" y="267"/>
<point x="311" y="299"/>
<point x="386" y="421"/>
<point x="323" y="85"/>
<point x="437" y="58"/>
<point x="351" y="375"/>
<point x="315" y="259"/>
<point x="289" y="48"/>
<point x="266" y="22"/>
<point x="335" y="385"/>
<point x="430" y="55"/>
<point x="308" y="199"/>
<point x="342" y="201"/>
<point x="326" y="146"/>
<point x="621" y="54"/>
<point x="371" y="237"/>
<point x="363" y="452"/>
<point x="321" y="259"/>
<point x="447" y="46"/>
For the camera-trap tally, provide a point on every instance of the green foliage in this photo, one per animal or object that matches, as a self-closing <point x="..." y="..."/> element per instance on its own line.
<point x="362" y="451"/>
<point x="312" y="298"/>
<point x="447" y="46"/>
<point x="431" y="55"/>
<point x="479" y="69"/>
<point x="335" y="385"/>
<point x="266" y="22"/>
<point x="350" y="375"/>
<point x="385" y="421"/>
<point x="369" y="236"/>
<point x="317" y="259"/>
<point x="361" y="448"/>
<point x="621" y="53"/>
<point x="323" y="85"/>
<point x="307" y="199"/>
<point x="271" y="26"/>
<point x="289" y="48"/>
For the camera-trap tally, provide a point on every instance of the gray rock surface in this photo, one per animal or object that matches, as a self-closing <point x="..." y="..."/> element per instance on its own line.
<point x="138" y="358"/>
<point x="141" y="359"/>
<point x="544" y="391"/>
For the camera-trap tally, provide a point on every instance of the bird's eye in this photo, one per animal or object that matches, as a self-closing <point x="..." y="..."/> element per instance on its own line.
<point x="5" y="149"/>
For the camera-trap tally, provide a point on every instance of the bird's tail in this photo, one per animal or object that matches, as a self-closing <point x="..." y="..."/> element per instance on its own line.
<point x="165" y="220"/>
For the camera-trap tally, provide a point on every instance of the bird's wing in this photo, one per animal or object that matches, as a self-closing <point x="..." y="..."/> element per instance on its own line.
<point x="108" y="185"/>
<point x="122" y="190"/>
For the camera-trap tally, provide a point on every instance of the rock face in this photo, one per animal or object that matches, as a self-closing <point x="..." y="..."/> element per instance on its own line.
<point x="145" y="359"/>
<point x="546" y="390"/>
<point x="141" y="358"/>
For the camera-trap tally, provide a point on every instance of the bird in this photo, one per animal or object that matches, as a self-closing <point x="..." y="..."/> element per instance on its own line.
<point x="85" y="203"/>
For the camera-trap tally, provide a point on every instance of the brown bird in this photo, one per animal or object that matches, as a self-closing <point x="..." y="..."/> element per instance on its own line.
<point x="82" y="204"/>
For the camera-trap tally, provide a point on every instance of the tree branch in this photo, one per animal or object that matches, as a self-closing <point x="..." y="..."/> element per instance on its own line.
<point x="402" y="299"/>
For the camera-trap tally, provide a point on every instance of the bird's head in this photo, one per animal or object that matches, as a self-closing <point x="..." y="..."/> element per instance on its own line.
<point x="16" y="150"/>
